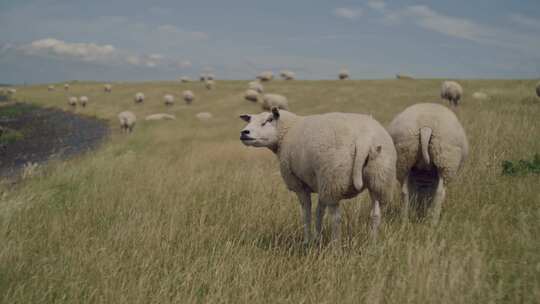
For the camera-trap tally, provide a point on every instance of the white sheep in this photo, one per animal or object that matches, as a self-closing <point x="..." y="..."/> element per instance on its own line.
<point x="83" y="100"/>
<point x="209" y="84"/>
<point x="204" y="115"/>
<point x="257" y="86"/>
<point x="11" y="91"/>
<point x="107" y="88"/>
<point x="139" y="97"/>
<point x="72" y="101"/>
<point x="266" y="76"/>
<point x="287" y="75"/>
<point x="50" y="88"/>
<point x="168" y="99"/>
<point x="337" y="155"/>
<point x="451" y="91"/>
<point x="274" y="100"/>
<point x="344" y="74"/>
<point x="66" y="86"/>
<point x="185" y="79"/>
<point x="251" y="95"/>
<point x="538" y="89"/>
<point x="127" y="121"/>
<point x="432" y="147"/>
<point x="160" y="116"/>
<point x="188" y="96"/>
<point x="480" y="95"/>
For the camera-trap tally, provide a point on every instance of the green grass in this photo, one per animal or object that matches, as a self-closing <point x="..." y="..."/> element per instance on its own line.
<point x="180" y="211"/>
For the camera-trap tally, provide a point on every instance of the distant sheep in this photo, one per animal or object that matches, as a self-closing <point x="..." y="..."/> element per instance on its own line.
<point x="266" y="76"/>
<point x="257" y="86"/>
<point x="185" y="79"/>
<point x="343" y="74"/>
<point x="251" y="95"/>
<point x="480" y="95"/>
<point x="72" y="101"/>
<point x="168" y="99"/>
<point x="83" y="100"/>
<point x="107" y="88"/>
<point x="210" y="77"/>
<point x="160" y="116"/>
<point x="127" y="121"/>
<point x="287" y="75"/>
<point x="139" y="97"/>
<point x="431" y="146"/>
<point x="50" y="88"/>
<point x="11" y="91"/>
<point x="274" y="100"/>
<point x="337" y="155"/>
<point x="451" y="91"/>
<point x="202" y="77"/>
<point x="188" y="96"/>
<point x="209" y="84"/>
<point x="204" y="115"/>
<point x="66" y="86"/>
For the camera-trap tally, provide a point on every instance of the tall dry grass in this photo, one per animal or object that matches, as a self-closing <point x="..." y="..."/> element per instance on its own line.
<point x="180" y="211"/>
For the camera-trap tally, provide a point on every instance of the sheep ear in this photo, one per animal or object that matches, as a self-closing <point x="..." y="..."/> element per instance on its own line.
<point x="275" y="112"/>
<point x="245" y="117"/>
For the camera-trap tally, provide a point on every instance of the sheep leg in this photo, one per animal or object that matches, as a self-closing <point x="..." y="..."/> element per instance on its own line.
<point x="305" y="202"/>
<point x="437" y="202"/>
<point x="375" y="216"/>
<point x="336" y="221"/>
<point x="405" y="198"/>
<point x="321" y="208"/>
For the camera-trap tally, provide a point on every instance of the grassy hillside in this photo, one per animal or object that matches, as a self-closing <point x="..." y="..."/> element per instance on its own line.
<point x="180" y="211"/>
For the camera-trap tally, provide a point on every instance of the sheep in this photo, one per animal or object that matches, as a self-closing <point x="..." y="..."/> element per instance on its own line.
<point x="185" y="79"/>
<point x="210" y="76"/>
<point x="209" y="84"/>
<point x="188" y="96"/>
<point x="451" y="91"/>
<point x="204" y="115"/>
<point x="72" y="101"/>
<point x="107" y="88"/>
<point x="66" y="86"/>
<point x="168" y="99"/>
<point x="139" y="97"/>
<point x="274" y="100"/>
<point x="202" y="77"/>
<point x="432" y="147"/>
<point x="538" y="89"/>
<point x="480" y="95"/>
<point x="251" y="95"/>
<point x="265" y="76"/>
<point x="257" y="86"/>
<point x="11" y="91"/>
<point x="83" y="100"/>
<point x="50" y="88"/>
<point x="287" y="75"/>
<point x="127" y="121"/>
<point x="160" y="116"/>
<point x="343" y="74"/>
<point x="337" y="155"/>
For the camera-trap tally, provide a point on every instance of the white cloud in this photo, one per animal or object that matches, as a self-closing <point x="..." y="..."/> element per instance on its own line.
<point x="377" y="5"/>
<point x="462" y="28"/>
<point x="524" y="21"/>
<point x="348" y="13"/>
<point x="89" y="52"/>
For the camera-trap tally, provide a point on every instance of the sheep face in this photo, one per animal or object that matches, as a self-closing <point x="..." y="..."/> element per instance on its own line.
<point x="261" y="130"/>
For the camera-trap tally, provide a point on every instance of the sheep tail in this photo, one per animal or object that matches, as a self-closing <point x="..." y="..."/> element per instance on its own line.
<point x="425" y="136"/>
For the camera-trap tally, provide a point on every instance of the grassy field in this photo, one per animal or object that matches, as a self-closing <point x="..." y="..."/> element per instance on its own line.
<point x="180" y="211"/>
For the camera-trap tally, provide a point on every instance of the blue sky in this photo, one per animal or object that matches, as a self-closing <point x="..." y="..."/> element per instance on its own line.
<point x="50" y="41"/>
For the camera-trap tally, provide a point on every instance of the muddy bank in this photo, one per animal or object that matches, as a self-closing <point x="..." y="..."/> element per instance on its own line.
<point x="39" y="134"/>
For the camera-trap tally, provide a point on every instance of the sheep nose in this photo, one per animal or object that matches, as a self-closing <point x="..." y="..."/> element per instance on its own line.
<point x="244" y="132"/>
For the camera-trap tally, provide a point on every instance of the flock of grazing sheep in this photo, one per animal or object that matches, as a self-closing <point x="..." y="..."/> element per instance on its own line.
<point x="339" y="155"/>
